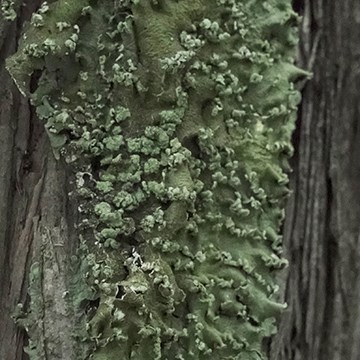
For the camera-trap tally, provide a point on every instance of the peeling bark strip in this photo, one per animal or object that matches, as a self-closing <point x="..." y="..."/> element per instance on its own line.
<point x="322" y="224"/>
<point x="175" y="118"/>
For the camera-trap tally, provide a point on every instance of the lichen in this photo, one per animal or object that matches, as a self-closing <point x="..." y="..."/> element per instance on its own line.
<point x="175" y="118"/>
<point x="8" y="9"/>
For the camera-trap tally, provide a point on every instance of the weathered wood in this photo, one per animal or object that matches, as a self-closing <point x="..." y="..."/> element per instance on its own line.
<point x="32" y="195"/>
<point x="322" y="224"/>
<point x="14" y="125"/>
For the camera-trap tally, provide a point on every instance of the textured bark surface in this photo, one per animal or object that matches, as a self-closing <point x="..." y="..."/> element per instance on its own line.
<point x="322" y="225"/>
<point x="32" y="209"/>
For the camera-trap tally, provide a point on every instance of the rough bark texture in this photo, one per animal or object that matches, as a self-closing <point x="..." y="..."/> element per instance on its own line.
<point x="322" y="225"/>
<point x="32" y="208"/>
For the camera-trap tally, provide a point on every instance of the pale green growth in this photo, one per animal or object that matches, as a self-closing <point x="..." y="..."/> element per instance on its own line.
<point x="44" y="8"/>
<point x="61" y="25"/>
<point x="191" y="41"/>
<point x="37" y="20"/>
<point x="178" y="61"/>
<point x="176" y="119"/>
<point x="8" y="9"/>
<point x="151" y="166"/>
<point x="71" y="42"/>
<point x="104" y="186"/>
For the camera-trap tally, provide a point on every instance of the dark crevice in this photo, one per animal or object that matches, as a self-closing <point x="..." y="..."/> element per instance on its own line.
<point x="92" y="306"/>
<point x="157" y="6"/>
<point x="252" y="321"/>
<point x="331" y="255"/>
<point x="35" y="80"/>
<point x="120" y="292"/>
<point x="298" y="6"/>
<point x="191" y="143"/>
<point x="96" y="167"/>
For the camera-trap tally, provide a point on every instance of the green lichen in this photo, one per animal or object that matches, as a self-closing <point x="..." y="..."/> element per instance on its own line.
<point x="176" y="119"/>
<point x="8" y="9"/>
<point x="30" y="320"/>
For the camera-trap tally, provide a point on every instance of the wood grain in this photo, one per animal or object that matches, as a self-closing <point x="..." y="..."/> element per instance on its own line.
<point x="323" y="215"/>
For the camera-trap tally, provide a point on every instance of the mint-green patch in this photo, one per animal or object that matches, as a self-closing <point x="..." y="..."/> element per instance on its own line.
<point x="175" y="117"/>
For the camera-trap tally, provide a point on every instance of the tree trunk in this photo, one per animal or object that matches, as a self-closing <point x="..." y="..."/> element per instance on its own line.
<point x="35" y="220"/>
<point x="321" y="229"/>
<point x="322" y="223"/>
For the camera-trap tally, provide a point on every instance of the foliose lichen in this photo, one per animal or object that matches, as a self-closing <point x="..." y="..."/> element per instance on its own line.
<point x="175" y="118"/>
<point x="8" y="9"/>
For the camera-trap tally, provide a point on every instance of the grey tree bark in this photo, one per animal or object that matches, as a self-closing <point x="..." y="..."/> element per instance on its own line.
<point x="322" y="285"/>
<point x="33" y="208"/>
<point x="322" y="223"/>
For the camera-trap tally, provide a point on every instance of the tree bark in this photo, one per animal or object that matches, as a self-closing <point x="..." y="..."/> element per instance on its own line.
<point x="322" y="222"/>
<point x="33" y="207"/>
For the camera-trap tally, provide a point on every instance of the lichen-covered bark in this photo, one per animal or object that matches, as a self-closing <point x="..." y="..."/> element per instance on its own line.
<point x="175" y="119"/>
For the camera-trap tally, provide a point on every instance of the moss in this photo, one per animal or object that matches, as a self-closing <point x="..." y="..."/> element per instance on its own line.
<point x="175" y="118"/>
